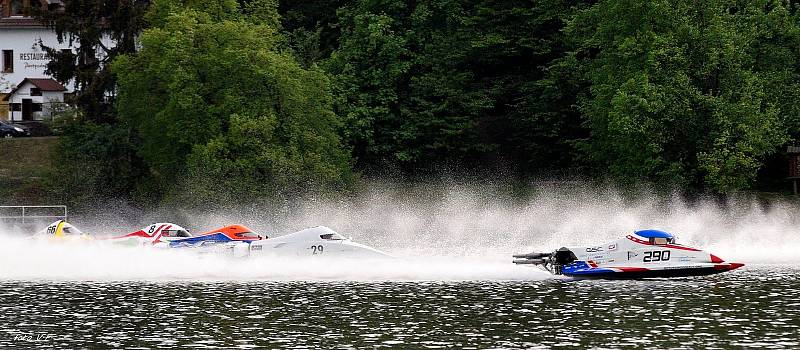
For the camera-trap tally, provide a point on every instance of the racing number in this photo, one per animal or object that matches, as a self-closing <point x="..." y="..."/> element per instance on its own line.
<point x="317" y="249"/>
<point x="152" y="228"/>
<point x="656" y="256"/>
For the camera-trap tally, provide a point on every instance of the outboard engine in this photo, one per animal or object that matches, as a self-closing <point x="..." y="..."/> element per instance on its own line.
<point x="561" y="257"/>
<point x="552" y="262"/>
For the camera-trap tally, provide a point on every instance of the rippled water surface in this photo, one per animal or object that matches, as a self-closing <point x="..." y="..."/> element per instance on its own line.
<point x="757" y="306"/>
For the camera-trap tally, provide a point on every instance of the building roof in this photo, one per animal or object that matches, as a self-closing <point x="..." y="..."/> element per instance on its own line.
<point x="20" y="22"/>
<point x="44" y="84"/>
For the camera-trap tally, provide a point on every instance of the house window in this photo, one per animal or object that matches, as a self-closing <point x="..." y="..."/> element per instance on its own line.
<point x="16" y="7"/>
<point x="8" y="61"/>
<point x="36" y="92"/>
<point x="36" y="107"/>
<point x="66" y="55"/>
<point x="16" y="107"/>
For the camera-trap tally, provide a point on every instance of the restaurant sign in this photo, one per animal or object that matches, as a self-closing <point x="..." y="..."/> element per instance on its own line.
<point x="34" y="56"/>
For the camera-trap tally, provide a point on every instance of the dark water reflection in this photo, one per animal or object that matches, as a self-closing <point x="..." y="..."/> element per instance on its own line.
<point x="753" y="307"/>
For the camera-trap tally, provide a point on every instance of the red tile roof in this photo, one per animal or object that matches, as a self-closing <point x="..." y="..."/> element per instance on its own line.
<point x="45" y="84"/>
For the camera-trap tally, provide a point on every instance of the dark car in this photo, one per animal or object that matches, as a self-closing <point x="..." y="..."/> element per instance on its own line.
<point x="13" y="130"/>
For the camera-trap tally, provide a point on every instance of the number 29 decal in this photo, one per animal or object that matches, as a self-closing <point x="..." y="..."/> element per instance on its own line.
<point x="656" y="256"/>
<point x="317" y="249"/>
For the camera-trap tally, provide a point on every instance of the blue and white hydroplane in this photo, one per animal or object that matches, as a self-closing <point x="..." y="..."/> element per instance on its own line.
<point x="643" y="254"/>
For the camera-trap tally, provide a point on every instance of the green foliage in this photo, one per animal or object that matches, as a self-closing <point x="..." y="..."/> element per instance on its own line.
<point x="369" y="66"/>
<point x="678" y="93"/>
<point x="532" y="119"/>
<point x="259" y="156"/>
<point x="440" y="80"/>
<point x="211" y="97"/>
<point x="62" y="116"/>
<point x="311" y="28"/>
<point x="95" y="162"/>
<point x="95" y="154"/>
<point x="227" y="101"/>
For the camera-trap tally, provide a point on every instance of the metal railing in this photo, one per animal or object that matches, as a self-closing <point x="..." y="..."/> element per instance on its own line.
<point x="27" y="213"/>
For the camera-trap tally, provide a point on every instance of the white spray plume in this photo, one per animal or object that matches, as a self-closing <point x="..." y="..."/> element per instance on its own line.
<point x="441" y="233"/>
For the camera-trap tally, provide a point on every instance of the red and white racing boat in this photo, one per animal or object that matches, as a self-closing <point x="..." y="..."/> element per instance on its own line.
<point x="643" y="254"/>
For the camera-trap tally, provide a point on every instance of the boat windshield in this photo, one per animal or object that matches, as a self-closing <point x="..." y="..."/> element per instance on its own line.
<point x="248" y="235"/>
<point x="332" y="236"/>
<point x="70" y="230"/>
<point x="662" y="240"/>
<point x="175" y="233"/>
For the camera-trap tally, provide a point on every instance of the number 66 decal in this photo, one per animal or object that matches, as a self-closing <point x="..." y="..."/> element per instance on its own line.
<point x="656" y="256"/>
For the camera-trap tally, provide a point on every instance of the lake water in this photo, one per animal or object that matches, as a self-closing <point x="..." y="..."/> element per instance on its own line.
<point x="755" y="306"/>
<point x="455" y="285"/>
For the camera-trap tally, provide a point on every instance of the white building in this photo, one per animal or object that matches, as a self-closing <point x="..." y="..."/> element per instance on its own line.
<point x="35" y="99"/>
<point x="20" y="55"/>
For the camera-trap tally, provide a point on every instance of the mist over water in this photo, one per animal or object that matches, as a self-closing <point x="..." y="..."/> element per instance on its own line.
<point x="455" y="232"/>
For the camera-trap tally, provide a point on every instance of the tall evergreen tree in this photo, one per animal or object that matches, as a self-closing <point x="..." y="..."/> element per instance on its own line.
<point x="101" y="30"/>
<point x="96" y="156"/>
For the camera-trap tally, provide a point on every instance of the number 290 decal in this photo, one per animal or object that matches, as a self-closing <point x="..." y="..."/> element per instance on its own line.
<point x="656" y="256"/>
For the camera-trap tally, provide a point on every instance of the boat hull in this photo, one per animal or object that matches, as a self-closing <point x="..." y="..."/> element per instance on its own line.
<point x="641" y="272"/>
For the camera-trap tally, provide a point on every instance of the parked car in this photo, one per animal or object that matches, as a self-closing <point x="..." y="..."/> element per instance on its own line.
<point x="13" y="130"/>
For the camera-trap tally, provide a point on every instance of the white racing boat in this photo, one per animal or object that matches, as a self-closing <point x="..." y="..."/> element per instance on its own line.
<point x="315" y="241"/>
<point x="643" y="254"/>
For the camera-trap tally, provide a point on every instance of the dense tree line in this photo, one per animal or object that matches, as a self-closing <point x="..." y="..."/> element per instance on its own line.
<point x="260" y="99"/>
<point x="222" y="112"/>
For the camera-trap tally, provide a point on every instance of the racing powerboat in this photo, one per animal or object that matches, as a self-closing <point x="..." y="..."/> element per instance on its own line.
<point x="158" y="234"/>
<point x="643" y="254"/>
<point x="62" y="231"/>
<point x="236" y="240"/>
<point x="315" y="241"/>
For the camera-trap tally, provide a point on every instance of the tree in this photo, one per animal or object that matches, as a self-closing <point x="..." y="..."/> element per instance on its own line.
<point x="101" y="31"/>
<point x="212" y="98"/>
<point x="532" y="118"/>
<point x="675" y="92"/>
<point x="435" y="81"/>
<point x="94" y="163"/>
<point x="311" y="28"/>
<point x="95" y="152"/>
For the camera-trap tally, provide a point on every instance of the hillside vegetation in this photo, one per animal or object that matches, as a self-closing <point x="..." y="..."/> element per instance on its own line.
<point x="236" y="101"/>
<point x="25" y="164"/>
